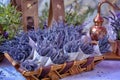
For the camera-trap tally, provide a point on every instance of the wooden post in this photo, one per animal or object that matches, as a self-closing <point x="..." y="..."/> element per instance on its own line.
<point x="56" y="11"/>
<point x="30" y="10"/>
<point x="16" y="3"/>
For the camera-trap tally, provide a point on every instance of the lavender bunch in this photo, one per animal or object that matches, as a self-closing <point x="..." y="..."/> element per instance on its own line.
<point x="51" y="42"/>
<point x="60" y="57"/>
<point x="7" y="45"/>
<point x="18" y="48"/>
<point x="24" y="39"/>
<point x="32" y="35"/>
<point x="115" y="23"/>
<point x="87" y="48"/>
<point x="49" y="50"/>
<point x="104" y="45"/>
<point x="29" y="65"/>
<point x="21" y="53"/>
<point x="71" y="46"/>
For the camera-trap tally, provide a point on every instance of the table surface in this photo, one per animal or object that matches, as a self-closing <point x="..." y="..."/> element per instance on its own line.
<point x="106" y="70"/>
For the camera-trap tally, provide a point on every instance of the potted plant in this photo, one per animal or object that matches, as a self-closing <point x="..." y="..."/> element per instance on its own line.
<point x="9" y="23"/>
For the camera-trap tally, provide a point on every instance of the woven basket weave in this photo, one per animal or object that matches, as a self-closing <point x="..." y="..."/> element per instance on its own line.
<point x="56" y="72"/>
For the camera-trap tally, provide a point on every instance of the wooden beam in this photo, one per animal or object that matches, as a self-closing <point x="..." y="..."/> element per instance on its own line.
<point x="30" y="9"/>
<point x="56" y="11"/>
<point x="16" y="3"/>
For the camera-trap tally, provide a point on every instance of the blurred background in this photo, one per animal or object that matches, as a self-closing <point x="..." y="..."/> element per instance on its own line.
<point x="80" y="10"/>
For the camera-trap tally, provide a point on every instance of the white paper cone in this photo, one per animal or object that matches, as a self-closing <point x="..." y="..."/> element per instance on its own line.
<point x="81" y="55"/>
<point x="32" y="43"/>
<point x="49" y="62"/>
<point x="97" y="50"/>
<point x="36" y="55"/>
<point x="72" y="56"/>
<point x="41" y="60"/>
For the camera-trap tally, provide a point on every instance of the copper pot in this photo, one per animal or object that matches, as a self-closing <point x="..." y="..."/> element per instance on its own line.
<point x="98" y="31"/>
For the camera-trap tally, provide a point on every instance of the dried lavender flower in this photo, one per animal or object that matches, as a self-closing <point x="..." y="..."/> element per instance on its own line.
<point x="104" y="45"/>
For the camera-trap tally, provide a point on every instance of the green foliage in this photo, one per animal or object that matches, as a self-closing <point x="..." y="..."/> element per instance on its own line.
<point x="9" y="19"/>
<point x="44" y="16"/>
<point x="77" y="19"/>
<point x="70" y="17"/>
<point x="77" y="14"/>
<point x="1" y="39"/>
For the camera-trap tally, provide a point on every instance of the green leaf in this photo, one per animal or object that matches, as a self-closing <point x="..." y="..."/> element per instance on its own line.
<point x="10" y="19"/>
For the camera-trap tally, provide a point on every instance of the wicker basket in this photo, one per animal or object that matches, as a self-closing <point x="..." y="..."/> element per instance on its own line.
<point x="115" y="54"/>
<point x="56" y="72"/>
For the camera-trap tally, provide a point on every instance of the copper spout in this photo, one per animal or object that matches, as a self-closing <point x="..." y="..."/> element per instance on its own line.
<point x="106" y="1"/>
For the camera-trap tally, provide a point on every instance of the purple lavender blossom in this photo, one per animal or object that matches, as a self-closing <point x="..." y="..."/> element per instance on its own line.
<point x="115" y="23"/>
<point x="5" y="34"/>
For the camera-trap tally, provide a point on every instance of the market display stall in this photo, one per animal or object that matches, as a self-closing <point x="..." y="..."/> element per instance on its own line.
<point x="59" y="49"/>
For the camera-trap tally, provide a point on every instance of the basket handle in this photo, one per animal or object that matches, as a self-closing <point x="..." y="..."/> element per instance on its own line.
<point x="56" y="11"/>
<point x="13" y="62"/>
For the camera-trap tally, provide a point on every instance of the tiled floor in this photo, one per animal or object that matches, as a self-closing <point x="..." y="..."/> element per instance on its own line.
<point x="106" y="70"/>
